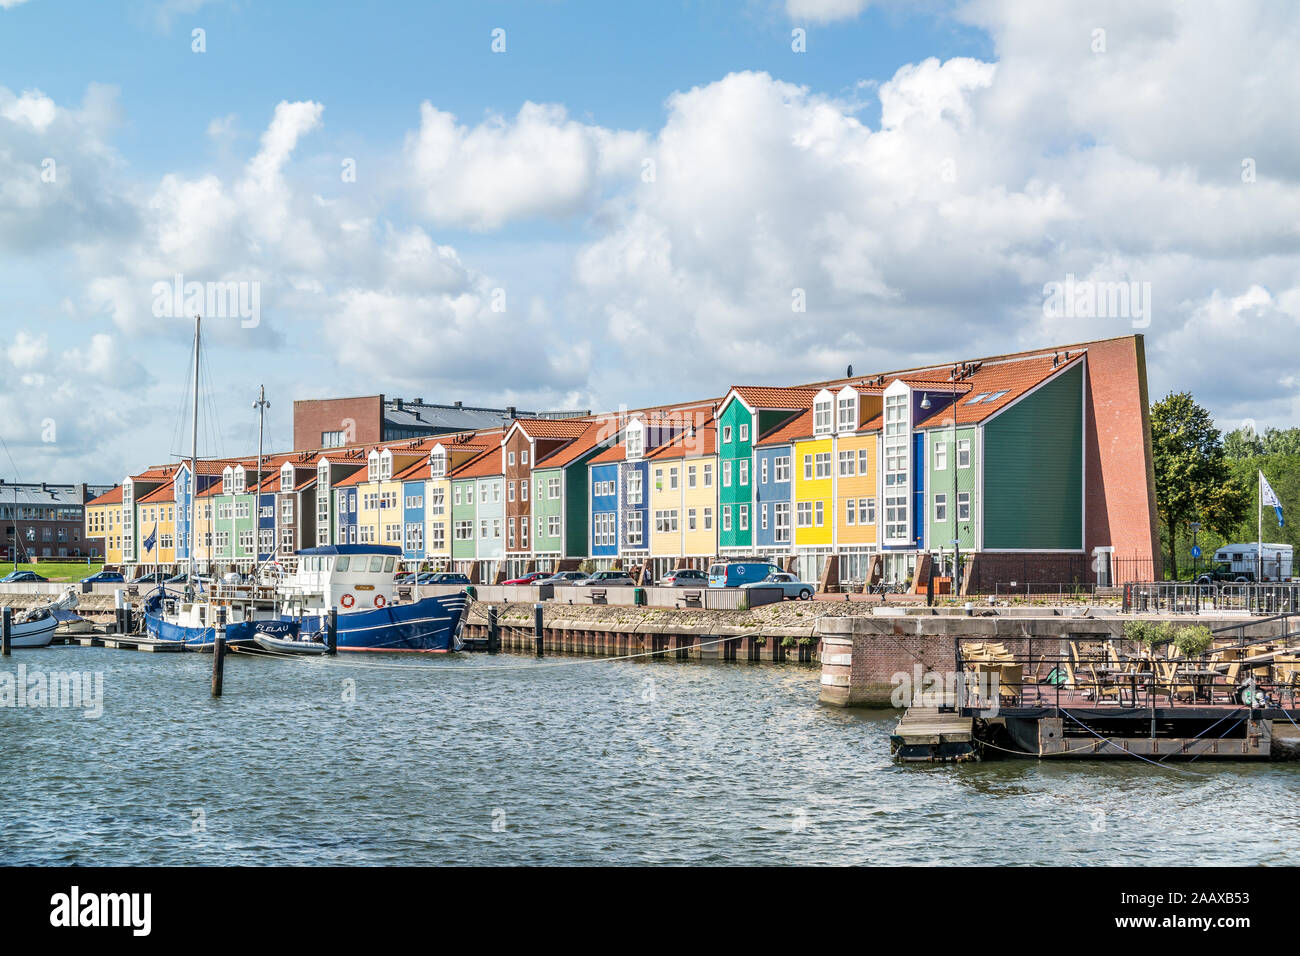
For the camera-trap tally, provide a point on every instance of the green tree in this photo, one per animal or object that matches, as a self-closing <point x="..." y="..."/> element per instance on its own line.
<point x="1242" y="443"/>
<point x="1193" y="479"/>
<point x="1282" y="441"/>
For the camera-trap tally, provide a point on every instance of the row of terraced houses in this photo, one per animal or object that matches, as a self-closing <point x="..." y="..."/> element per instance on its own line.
<point x="1034" y="466"/>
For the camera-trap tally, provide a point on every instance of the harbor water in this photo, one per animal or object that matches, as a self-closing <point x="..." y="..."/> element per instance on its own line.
<point x="471" y="759"/>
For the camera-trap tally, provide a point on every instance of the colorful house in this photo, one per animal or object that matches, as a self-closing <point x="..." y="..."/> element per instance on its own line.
<point x="684" y="500"/>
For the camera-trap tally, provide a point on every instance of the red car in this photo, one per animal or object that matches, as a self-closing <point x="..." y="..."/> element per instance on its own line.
<point x="529" y="578"/>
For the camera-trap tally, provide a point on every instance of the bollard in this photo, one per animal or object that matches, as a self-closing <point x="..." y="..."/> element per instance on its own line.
<point x="537" y="627"/>
<point x="6" y="631"/>
<point x="219" y="653"/>
<point x="494" y="632"/>
<point x="332" y="632"/>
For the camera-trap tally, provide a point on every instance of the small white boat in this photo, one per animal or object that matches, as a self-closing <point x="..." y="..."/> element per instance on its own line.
<point x="34" y="633"/>
<point x="288" y="645"/>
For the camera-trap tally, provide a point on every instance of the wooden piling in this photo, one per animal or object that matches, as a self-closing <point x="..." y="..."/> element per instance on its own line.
<point x="219" y="653"/>
<point x="6" y="631"/>
<point x="537" y="626"/>
<point x="332" y="632"/>
<point x="493" y="631"/>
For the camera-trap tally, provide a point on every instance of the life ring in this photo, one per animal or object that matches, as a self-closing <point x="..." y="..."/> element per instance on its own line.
<point x="379" y="600"/>
<point x="347" y="600"/>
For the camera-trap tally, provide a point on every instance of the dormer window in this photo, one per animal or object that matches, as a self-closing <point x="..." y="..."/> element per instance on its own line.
<point x="386" y="465"/>
<point x="846" y="411"/>
<point x="634" y="441"/>
<point x="237" y="476"/>
<point x="227" y="481"/>
<point x="822" y="422"/>
<point x="372" y="467"/>
<point x="437" y="465"/>
<point x="286" y="478"/>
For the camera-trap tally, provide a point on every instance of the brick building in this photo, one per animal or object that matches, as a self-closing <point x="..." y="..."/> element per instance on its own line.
<point x="48" y="521"/>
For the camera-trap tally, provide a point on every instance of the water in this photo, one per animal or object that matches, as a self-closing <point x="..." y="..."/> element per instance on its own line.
<point x="505" y="760"/>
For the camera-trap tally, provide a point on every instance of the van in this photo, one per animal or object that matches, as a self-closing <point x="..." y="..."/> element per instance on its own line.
<point x="736" y="573"/>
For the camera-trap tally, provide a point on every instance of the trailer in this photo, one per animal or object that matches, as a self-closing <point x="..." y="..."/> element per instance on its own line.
<point x="1240" y="563"/>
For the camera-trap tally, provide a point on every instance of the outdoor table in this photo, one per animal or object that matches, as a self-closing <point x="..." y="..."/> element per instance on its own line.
<point x="1203" y="681"/>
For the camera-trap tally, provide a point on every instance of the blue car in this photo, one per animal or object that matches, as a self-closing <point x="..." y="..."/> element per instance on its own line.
<point x="104" y="577"/>
<point x="20" y="577"/>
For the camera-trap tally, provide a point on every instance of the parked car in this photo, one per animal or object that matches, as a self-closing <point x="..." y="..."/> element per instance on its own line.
<point x="532" y="577"/>
<point x="177" y="579"/>
<point x="405" y="577"/>
<point x="1222" y="571"/>
<point x="791" y="587"/>
<point x="563" y="578"/>
<point x="443" y="577"/>
<point x="735" y="573"/>
<point x="22" y="577"/>
<point x="153" y="577"/>
<point x="607" y="579"/>
<point x="685" y="578"/>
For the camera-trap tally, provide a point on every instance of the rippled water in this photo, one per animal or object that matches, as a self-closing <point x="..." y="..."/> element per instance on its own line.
<point x="472" y="759"/>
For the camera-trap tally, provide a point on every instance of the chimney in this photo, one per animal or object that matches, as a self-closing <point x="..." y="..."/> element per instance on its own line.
<point x="457" y="404"/>
<point x="510" y="411"/>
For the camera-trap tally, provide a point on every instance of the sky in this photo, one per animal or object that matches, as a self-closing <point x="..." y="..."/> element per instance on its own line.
<point x="583" y="205"/>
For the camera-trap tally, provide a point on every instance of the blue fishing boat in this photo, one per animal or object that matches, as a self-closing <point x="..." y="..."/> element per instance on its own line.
<point x="290" y="599"/>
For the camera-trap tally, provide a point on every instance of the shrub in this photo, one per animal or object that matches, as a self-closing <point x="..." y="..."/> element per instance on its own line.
<point x="1192" y="640"/>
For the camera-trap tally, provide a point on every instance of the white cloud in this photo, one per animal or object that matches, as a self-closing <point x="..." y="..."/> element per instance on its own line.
<point x="824" y="11"/>
<point x="539" y="164"/>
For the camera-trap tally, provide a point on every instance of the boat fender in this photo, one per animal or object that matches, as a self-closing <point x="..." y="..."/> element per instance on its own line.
<point x="379" y="600"/>
<point x="347" y="600"/>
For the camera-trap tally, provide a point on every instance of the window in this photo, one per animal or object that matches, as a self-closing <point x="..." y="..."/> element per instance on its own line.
<point x="976" y="399"/>
<point x="690" y="476"/>
<point x="414" y="501"/>
<point x="803" y="514"/>
<point x="496" y="527"/>
<point x="941" y="456"/>
<point x="523" y="531"/>
<point x="659" y="479"/>
<point x="510" y="491"/>
<point x="634" y="493"/>
<point x="437" y="504"/>
<point x="708" y="474"/>
<point x="553" y="525"/>
<point x="762" y="471"/>
<point x="286" y="479"/>
<point x="469" y="494"/>
<point x="483" y="528"/>
<point x="963" y="506"/>
<point x="963" y="453"/>
<point x="523" y="457"/>
<point x="333" y="439"/>
<point x="372" y="468"/>
<point x="848" y="413"/>
<point x="708" y="519"/>
<point x="807" y="467"/>
<point x="850" y="511"/>
<point x="367" y="534"/>
<point x="455" y="496"/>
<point x="847" y="460"/>
<point x="819" y="507"/>
<point x="634" y="527"/>
<point x="463" y="530"/>
<point x="744" y="517"/>
<point x="781" y="468"/>
<point x="690" y="519"/>
<point x="266" y="540"/>
<point x="993" y="397"/>
<point x="286" y="540"/>
<point x="823" y="464"/>
<point x="510" y="531"/>
<point x="553" y="488"/>
<point x="864" y="459"/>
<point x="726" y="517"/>
<point x="437" y="537"/>
<point x="867" y="510"/>
<point x="781" y="516"/>
<point x="726" y="474"/>
<point x="940" y="508"/>
<point x="241" y="509"/>
<point x="895" y="516"/>
<point x="744" y="433"/>
<point x="822" y="417"/>
<point x="286" y="510"/>
<point x="726" y="434"/>
<point x="762" y="517"/>
<point x="223" y="542"/>
<point x="672" y="478"/>
<point x="744" y="471"/>
<point x="523" y="491"/>
<point x="635" y="443"/>
<point x="510" y="460"/>
<point x="392" y="533"/>
<point x="437" y="466"/>
<point x="666" y="521"/>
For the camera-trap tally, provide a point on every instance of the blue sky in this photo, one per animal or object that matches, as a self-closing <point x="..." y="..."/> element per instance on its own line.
<point x="920" y="173"/>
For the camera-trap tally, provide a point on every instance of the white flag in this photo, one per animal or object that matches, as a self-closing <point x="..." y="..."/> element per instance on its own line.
<point x="1268" y="496"/>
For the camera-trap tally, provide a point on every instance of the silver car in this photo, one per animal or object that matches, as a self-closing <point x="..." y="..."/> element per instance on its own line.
<point x="607" y="579"/>
<point x="791" y="587"/>
<point x="563" y="578"/>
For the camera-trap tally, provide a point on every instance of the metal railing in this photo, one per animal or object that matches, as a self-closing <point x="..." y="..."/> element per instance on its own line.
<point x="1176" y="597"/>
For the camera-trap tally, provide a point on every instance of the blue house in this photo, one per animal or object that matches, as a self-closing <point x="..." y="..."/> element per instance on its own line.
<point x="413" y="518"/>
<point x="605" y="499"/>
<point x="266" y="519"/>
<point x="773" y="494"/>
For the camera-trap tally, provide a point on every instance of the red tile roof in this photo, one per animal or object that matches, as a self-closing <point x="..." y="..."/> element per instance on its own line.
<point x="613" y="453"/>
<point x="763" y="396"/>
<point x="552" y="427"/>
<point x="163" y="492"/>
<point x="703" y="442"/>
<point x="584" y="443"/>
<point x="486" y="465"/>
<point x="1012" y="379"/>
<point x="111" y="497"/>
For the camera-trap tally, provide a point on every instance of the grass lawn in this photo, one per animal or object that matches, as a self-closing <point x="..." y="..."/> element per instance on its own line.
<point x="55" y="570"/>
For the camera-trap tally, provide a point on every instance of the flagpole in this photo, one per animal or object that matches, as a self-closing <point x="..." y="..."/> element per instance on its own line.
<point x="1259" y="544"/>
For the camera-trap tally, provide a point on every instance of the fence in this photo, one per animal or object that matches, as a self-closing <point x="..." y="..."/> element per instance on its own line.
<point x="1178" y="598"/>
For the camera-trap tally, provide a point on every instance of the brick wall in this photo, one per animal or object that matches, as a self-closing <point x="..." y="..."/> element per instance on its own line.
<point x="362" y="418"/>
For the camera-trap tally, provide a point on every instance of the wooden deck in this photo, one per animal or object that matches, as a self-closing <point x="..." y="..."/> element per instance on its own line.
<point x="928" y="735"/>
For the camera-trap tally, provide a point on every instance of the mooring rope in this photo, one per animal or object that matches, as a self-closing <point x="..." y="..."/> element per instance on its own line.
<point x="382" y="665"/>
<point x="1154" y="763"/>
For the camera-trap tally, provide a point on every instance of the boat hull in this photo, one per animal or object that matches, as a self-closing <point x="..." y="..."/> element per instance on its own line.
<point x="33" y="633"/>
<point x="278" y="645"/>
<point x="430" y="625"/>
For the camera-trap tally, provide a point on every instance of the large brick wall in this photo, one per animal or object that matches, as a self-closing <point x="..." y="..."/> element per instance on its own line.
<point x="1120" y="493"/>
<point x="362" y="418"/>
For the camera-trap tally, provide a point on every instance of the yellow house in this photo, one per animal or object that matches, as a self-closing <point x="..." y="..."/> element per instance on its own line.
<point x="156" y="520"/>
<point x="104" y="521"/>
<point x="684" y="500"/>
<point x="814" y="492"/>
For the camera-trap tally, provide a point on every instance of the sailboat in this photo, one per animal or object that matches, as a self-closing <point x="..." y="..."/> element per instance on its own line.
<point x="291" y="599"/>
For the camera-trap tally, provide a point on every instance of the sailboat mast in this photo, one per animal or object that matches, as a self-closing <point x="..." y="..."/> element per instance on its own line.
<point x="261" y="406"/>
<point x="194" y="460"/>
